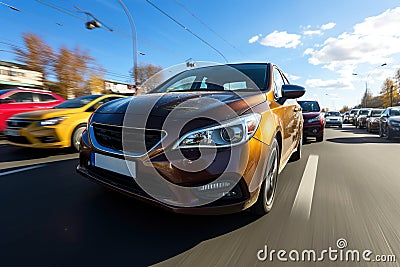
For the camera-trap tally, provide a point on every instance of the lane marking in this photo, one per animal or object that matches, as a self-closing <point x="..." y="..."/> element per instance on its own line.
<point x="21" y="170"/>
<point x="303" y="201"/>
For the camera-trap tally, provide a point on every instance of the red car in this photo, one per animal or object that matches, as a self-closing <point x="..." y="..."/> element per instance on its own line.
<point x="13" y="101"/>
<point x="314" y="122"/>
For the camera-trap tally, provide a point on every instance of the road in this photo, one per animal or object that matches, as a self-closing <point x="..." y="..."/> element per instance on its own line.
<point x="345" y="187"/>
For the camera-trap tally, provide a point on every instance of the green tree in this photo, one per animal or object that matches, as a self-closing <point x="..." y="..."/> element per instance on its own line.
<point x="144" y="73"/>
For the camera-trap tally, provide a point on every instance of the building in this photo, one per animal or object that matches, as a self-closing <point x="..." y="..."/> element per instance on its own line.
<point x="14" y="74"/>
<point x="118" y="87"/>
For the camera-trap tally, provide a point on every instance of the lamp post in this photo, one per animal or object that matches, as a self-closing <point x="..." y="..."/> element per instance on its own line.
<point x="96" y="24"/>
<point x="366" y="84"/>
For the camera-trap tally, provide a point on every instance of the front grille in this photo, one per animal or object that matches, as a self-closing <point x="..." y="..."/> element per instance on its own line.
<point x="18" y="139"/>
<point x="18" y="123"/>
<point x="137" y="142"/>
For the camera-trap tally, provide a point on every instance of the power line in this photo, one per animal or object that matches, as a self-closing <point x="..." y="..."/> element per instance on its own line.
<point x="187" y="29"/>
<point x="208" y="27"/>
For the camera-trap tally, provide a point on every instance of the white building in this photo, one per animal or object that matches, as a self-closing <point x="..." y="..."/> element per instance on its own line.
<point x="14" y="74"/>
<point x="118" y="88"/>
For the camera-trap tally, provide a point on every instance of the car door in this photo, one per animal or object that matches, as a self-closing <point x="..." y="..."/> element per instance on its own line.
<point x="290" y="124"/>
<point x="44" y="101"/>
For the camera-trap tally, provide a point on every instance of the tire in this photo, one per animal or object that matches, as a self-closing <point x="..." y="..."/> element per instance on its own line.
<point x="297" y="154"/>
<point x="341" y="126"/>
<point x="267" y="193"/>
<point x="389" y="135"/>
<point x="76" y="136"/>
<point x="380" y="131"/>
<point x="320" y="138"/>
<point x="368" y="128"/>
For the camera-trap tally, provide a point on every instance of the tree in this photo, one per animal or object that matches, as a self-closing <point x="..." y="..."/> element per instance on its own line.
<point x="144" y="73"/>
<point x="71" y="70"/>
<point x="365" y="100"/>
<point x="389" y="93"/>
<point x="344" y="109"/>
<point x="37" y="55"/>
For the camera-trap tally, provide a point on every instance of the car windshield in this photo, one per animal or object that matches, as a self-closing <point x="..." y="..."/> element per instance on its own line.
<point x="363" y="112"/>
<point x="376" y="113"/>
<point x="332" y="114"/>
<point x="309" y="106"/>
<point x="353" y="111"/>
<point x="218" y="78"/>
<point x="395" y="112"/>
<point x="78" y="102"/>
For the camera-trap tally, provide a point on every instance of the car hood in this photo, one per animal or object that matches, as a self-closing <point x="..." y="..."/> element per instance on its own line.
<point x="309" y="115"/>
<point x="395" y="118"/>
<point x="46" y="114"/>
<point x="185" y="105"/>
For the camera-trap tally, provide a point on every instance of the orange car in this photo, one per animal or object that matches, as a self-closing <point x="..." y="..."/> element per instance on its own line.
<point x="209" y="140"/>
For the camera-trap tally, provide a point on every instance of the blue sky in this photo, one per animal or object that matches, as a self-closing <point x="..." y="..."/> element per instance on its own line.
<point x="319" y="44"/>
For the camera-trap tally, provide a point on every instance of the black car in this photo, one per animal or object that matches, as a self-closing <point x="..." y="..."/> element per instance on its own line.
<point x="373" y="119"/>
<point x="360" y="117"/>
<point x="389" y="123"/>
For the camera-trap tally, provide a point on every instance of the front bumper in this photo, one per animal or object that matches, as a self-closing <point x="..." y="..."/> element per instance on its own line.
<point x="333" y="123"/>
<point x="128" y="185"/>
<point x="38" y="137"/>
<point x="313" y="129"/>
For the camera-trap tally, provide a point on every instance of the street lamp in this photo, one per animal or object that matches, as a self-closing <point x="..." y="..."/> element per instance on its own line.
<point x="96" y="24"/>
<point x="366" y="83"/>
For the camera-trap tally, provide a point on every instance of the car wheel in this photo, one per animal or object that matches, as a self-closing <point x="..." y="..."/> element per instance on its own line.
<point x="368" y="128"/>
<point x="76" y="136"/>
<point x="388" y="134"/>
<point x="320" y="138"/>
<point x="380" y="131"/>
<point x="297" y="154"/>
<point x="266" y="196"/>
<point x="341" y="126"/>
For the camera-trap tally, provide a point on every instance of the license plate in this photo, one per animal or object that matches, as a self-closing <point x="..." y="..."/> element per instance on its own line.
<point x="12" y="132"/>
<point x="114" y="164"/>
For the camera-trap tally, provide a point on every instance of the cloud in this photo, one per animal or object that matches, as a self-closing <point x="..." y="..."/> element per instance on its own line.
<point x="254" y="39"/>
<point x="292" y="77"/>
<point x="329" y="84"/>
<point x="372" y="41"/>
<point x="328" y="26"/>
<point x="281" y="39"/>
<point x="312" y="32"/>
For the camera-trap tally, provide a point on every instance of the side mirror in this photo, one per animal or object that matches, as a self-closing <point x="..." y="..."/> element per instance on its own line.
<point x="291" y="91"/>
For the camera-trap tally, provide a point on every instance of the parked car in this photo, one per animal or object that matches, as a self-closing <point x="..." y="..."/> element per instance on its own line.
<point x="14" y="101"/>
<point x="389" y="123"/>
<point x="373" y="119"/>
<point x="346" y="117"/>
<point x="361" y="118"/>
<point x="59" y="127"/>
<point x="263" y="131"/>
<point x="314" y="122"/>
<point x="333" y="118"/>
<point x="352" y="114"/>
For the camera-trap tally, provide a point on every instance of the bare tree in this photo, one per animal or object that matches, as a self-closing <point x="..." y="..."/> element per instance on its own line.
<point x="144" y="73"/>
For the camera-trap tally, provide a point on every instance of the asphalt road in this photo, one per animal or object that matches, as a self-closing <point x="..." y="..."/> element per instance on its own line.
<point x="345" y="187"/>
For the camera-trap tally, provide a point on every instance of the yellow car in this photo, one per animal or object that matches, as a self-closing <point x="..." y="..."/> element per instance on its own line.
<point x="59" y="127"/>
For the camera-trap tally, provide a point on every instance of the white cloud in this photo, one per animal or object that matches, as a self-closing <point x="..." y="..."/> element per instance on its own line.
<point x="254" y="39"/>
<point x="329" y="84"/>
<point x="293" y="77"/>
<point x="308" y="51"/>
<point x="372" y="41"/>
<point x="312" y="32"/>
<point x="328" y="26"/>
<point x="281" y="39"/>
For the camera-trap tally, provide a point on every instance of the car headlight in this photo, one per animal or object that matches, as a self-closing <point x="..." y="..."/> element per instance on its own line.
<point x="315" y="119"/>
<point x="51" y="122"/>
<point x="395" y="123"/>
<point x="228" y="133"/>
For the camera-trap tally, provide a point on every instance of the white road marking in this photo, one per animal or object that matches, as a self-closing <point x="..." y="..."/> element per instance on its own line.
<point x="303" y="201"/>
<point x="21" y="170"/>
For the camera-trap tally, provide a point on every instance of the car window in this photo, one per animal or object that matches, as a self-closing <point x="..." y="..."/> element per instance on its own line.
<point x="309" y="106"/>
<point x="22" y="97"/>
<point x="278" y="82"/>
<point x="394" y="112"/>
<point x="78" y="102"/>
<point x="46" y="97"/>
<point x="185" y="84"/>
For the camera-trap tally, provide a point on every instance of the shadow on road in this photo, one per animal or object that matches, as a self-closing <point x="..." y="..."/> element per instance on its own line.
<point x="13" y="153"/>
<point x="362" y="140"/>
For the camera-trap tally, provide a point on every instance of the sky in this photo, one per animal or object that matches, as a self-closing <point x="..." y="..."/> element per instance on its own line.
<point x="318" y="44"/>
